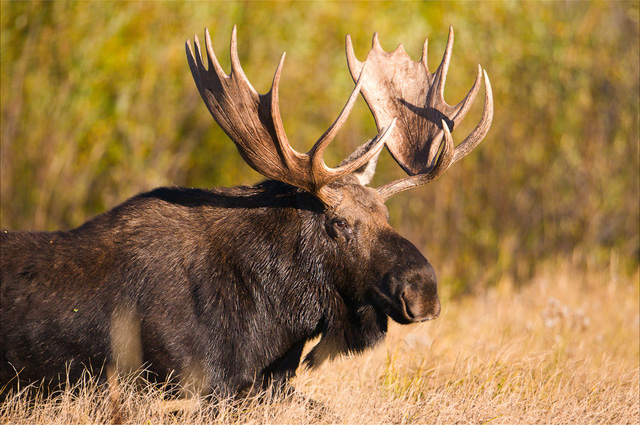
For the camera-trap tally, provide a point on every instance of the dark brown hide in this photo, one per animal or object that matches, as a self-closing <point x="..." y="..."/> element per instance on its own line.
<point x="219" y="288"/>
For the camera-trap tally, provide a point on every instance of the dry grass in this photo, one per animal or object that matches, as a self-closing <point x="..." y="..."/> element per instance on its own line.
<point x="561" y="349"/>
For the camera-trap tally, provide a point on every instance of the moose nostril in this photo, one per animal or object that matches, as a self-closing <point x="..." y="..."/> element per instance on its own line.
<point x="406" y="305"/>
<point x="411" y="308"/>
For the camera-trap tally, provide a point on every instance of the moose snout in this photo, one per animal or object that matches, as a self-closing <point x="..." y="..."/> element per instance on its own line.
<point x="411" y="294"/>
<point x="419" y="308"/>
<point x="408" y="290"/>
<point x="419" y="293"/>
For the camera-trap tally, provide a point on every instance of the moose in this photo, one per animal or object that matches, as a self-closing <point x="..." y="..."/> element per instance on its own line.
<point x="218" y="290"/>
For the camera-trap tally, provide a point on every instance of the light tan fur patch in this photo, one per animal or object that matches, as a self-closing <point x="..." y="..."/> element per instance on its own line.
<point x="126" y="341"/>
<point x="329" y="347"/>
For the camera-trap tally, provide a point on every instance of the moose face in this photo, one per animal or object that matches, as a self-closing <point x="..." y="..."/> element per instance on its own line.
<point x="391" y="271"/>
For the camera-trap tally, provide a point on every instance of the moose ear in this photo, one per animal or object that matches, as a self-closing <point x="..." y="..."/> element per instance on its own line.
<point x="365" y="173"/>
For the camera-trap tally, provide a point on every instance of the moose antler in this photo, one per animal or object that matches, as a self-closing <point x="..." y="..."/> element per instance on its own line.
<point x="253" y="123"/>
<point x="396" y="87"/>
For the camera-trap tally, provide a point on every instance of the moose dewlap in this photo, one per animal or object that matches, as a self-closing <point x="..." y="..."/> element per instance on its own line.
<point x="219" y="290"/>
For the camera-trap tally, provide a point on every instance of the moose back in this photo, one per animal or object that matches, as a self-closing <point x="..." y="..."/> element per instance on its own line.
<point x="220" y="289"/>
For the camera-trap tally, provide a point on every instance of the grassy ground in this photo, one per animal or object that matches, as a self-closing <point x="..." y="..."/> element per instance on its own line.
<point x="562" y="348"/>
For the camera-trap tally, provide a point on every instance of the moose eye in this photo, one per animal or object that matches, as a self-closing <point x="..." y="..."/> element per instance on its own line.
<point x="340" y="224"/>
<point x="338" y="228"/>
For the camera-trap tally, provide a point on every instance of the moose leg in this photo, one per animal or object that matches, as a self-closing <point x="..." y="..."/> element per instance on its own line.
<point x="276" y="380"/>
<point x="115" y="401"/>
<point x="276" y="376"/>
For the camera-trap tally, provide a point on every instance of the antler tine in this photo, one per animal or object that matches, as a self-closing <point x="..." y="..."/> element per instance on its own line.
<point x="287" y="153"/>
<point x="481" y="130"/>
<point x="254" y="124"/>
<point x="425" y="49"/>
<point x="442" y="71"/>
<point x="211" y="56"/>
<point x="233" y="52"/>
<point x="319" y="147"/>
<point x="355" y="66"/>
<point x="191" y="59"/>
<point x="375" y="41"/>
<point x="461" y="109"/>
<point x="399" y="88"/>
<point x="457" y="112"/>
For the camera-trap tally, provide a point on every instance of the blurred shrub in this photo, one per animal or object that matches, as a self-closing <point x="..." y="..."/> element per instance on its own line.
<point x="98" y="104"/>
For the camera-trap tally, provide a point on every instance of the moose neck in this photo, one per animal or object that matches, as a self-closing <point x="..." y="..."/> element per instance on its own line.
<point x="293" y="260"/>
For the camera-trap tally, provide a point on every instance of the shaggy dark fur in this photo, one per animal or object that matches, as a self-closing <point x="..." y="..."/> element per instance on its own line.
<point x="222" y="286"/>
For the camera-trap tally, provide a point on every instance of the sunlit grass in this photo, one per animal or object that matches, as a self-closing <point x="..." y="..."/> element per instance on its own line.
<point x="562" y="348"/>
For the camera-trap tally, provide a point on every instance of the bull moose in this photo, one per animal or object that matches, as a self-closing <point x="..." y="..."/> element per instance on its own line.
<point x="219" y="290"/>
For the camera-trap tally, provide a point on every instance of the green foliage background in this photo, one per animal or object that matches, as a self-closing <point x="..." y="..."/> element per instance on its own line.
<point x="98" y="104"/>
